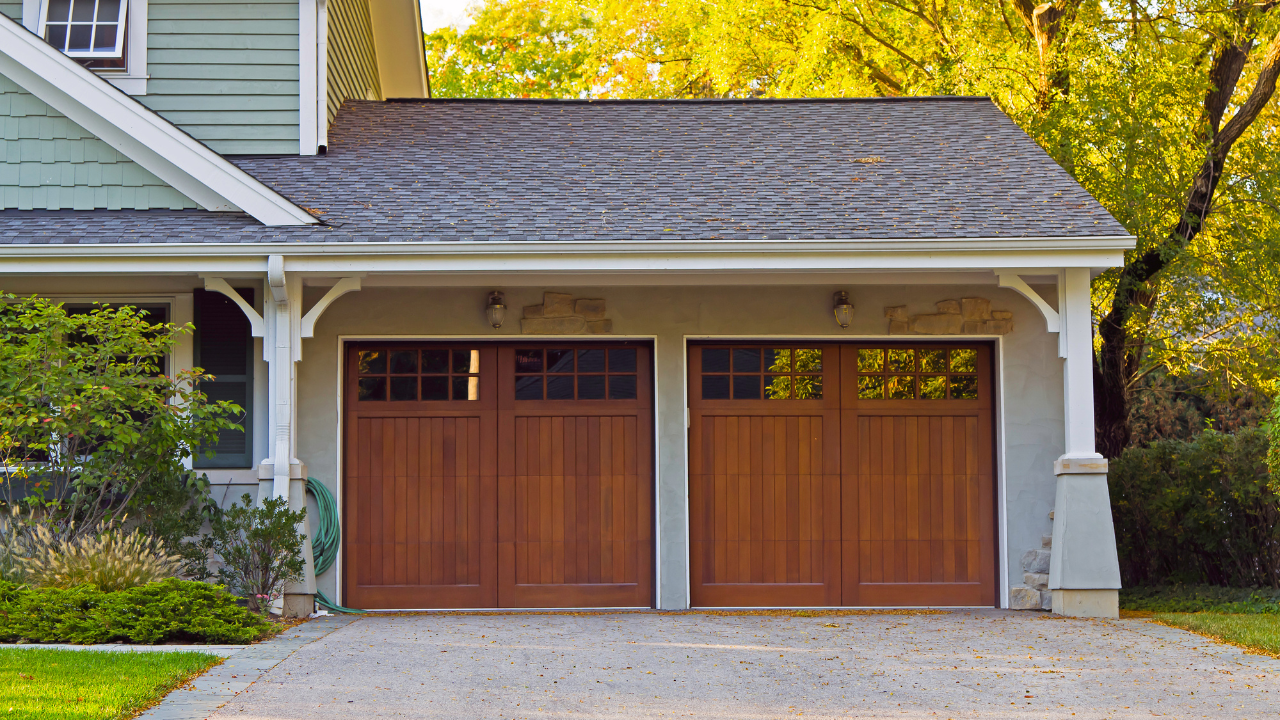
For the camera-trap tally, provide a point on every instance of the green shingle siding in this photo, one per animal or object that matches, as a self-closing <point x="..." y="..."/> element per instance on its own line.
<point x="226" y="72"/>
<point x="48" y="162"/>
<point x="352" y="62"/>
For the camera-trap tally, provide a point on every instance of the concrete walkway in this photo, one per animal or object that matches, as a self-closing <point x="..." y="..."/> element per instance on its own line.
<point x="989" y="664"/>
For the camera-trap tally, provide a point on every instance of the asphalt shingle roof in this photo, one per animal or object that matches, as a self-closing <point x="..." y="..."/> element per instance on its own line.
<point x="910" y="169"/>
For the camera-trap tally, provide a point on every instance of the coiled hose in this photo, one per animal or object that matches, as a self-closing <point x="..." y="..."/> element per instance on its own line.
<point x="326" y="538"/>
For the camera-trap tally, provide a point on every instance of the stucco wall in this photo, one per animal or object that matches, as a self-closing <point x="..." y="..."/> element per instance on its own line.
<point x="1029" y="411"/>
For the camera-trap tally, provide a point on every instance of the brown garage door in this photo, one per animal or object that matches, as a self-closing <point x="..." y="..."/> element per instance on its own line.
<point x="841" y="475"/>
<point x="498" y="476"/>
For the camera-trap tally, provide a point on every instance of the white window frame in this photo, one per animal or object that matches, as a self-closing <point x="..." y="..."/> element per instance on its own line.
<point x="117" y="51"/>
<point x="133" y="78"/>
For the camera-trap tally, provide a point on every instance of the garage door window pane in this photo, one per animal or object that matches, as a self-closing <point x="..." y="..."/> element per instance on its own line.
<point x="964" y="387"/>
<point x="529" y="388"/>
<point x="777" y="360"/>
<point x="621" y="387"/>
<point x="902" y="387"/>
<point x="746" y="387"/>
<point x="902" y="361"/>
<point x="965" y="360"/>
<point x="591" y="361"/>
<point x="871" y="387"/>
<point x="435" y="388"/>
<point x="933" y="387"/>
<point x="560" y="361"/>
<point x="934" y="361"/>
<point x="622" y="360"/>
<point x="808" y="387"/>
<point x="591" y="387"/>
<point x="870" y="361"/>
<point x="746" y="360"/>
<point x="404" y="362"/>
<point x="372" y="362"/>
<point x="777" y="387"/>
<point x="560" y="387"/>
<point x="715" y="360"/>
<point x="715" y="387"/>
<point x="528" y="361"/>
<point x="372" y="388"/>
<point x="809" y="360"/>
<point x="404" y="388"/>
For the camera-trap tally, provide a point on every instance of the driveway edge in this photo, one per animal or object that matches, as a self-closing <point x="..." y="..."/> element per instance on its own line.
<point x="215" y="688"/>
<point x="1208" y="646"/>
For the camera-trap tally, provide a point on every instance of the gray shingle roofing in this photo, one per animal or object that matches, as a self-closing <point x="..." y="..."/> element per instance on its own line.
<point x="910" y="169"/>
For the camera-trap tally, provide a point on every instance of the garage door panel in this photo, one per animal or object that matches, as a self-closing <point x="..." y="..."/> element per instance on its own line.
<point x="764" y="493"/>
<point x="877" y="499"/>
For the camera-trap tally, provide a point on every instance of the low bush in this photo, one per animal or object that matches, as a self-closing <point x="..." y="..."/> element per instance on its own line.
<point x="182" y="610"/>
<point x="1201" y="598"/>
<point x="1201" y="511"/>
<point x="112" y="560"/>
<point x="260" y="548"/>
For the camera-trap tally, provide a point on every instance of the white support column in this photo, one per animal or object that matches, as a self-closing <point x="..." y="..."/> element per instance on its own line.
<point x="1084" y="571"/>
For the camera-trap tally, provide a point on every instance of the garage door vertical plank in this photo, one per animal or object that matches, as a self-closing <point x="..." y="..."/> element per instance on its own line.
<point x="756" y="499"/>
<point x="924" y="467"/>
<point x="618" y="477"/>
<point x="769" y="481"/>
<point x="876" y="480"/>
<point x="593" y="464"/>
<point x="963" y="528"/>
<point x="464" y="489"/>
<point x="568" y="458"/>
<point x="521" y="500"/>
<point x="364" y="529"/>
<point x="795" y="449"/>
<point x="949" y="529"/>
<point x="557" y="501"/>
<point x="607" y="501"/>
<point x="582" y="464"/>
<point x="803" y="491"/>
<point x="546" y="503"/>
<point x="631" y="501"/>
<point x="976" y="496"/>
<point x="937" y="507"/>
<point x="911" y="476"/>
<point x="900" y="540"/>
<point x="386" y="503"/>
<point x="732" y="456"/>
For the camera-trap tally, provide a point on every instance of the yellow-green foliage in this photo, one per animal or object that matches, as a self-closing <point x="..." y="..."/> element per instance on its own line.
<point x="40" y="684"/>
<point x="113" y="560"/>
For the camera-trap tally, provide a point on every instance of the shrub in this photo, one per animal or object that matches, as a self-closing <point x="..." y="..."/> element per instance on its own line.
<point x="87" y="420"/>
<point x="112" y="560"/>
<point x="1202" y="511"/>
<point x="169" y="610"/>
<point x="1201" y="598"/>
<point x="260" y="548"/>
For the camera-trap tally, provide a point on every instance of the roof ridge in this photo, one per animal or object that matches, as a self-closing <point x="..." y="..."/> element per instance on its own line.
<point x="686" y="101"/>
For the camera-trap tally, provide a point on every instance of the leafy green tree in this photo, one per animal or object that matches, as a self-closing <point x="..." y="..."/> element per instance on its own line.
<point x="1163" y="109"/>
<point x="514" y="49"/>
<point x="90" y="428"/>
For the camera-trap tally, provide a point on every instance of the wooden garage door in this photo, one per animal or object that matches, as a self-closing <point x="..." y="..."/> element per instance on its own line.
<point x="865" y="472"/>
<point x="498" y="476"/>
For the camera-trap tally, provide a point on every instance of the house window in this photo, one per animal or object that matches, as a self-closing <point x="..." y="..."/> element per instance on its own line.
<point x="224" y="349"/>
<point x="92" y="31"/>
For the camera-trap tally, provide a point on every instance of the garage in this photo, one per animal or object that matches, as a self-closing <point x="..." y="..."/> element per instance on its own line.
<point x="498" y="475"/>
<point x="841" y="474"/>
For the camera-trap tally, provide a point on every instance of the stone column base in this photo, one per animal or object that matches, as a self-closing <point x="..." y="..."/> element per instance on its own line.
<point x="298" y="606"/>
<point x="1086" y="603"/>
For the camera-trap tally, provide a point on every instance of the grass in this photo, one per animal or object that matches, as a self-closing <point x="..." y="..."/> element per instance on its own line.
<point x="1256" y="632"/>
<point x="45" y="684"/>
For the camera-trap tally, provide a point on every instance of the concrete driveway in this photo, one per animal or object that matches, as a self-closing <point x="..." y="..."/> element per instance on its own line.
<point x="989" y="664"/>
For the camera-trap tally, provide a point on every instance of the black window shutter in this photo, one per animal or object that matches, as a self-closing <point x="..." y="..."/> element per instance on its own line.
<point x="224" y="348"/>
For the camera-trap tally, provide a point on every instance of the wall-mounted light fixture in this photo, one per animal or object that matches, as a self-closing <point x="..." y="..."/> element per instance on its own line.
<point x="496" y="310"/>
<point x="842" y="308"/>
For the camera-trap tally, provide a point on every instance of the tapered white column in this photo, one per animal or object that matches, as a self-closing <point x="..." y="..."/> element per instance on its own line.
<point x="1084" y="571"/>
<point x="287" y="474"/>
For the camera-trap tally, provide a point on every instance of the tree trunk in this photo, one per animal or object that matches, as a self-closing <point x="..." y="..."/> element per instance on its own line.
<point x="1118" y="359"/>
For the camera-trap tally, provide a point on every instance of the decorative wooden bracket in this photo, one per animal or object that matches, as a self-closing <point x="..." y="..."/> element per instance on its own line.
<point x="342" y="287"/>
<point x="256" y="326"/>
<point x="1013" y="281"/>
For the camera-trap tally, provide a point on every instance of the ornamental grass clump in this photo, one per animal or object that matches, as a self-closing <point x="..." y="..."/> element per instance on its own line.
<point x="111" y="560"/>
<point x="18" y="540"/>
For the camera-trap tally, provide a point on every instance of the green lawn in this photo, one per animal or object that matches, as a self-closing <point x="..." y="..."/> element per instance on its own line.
<point x="43" y="684"/>
<point x="1260" y="632"/>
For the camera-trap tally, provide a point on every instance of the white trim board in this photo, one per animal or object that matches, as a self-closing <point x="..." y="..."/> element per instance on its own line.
<point x="136" y="132"/>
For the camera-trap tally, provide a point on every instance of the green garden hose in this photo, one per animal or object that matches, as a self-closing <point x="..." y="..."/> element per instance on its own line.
<point x="326" y="538"/>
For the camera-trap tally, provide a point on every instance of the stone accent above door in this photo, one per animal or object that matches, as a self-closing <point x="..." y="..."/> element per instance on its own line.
<point x="563" y="314"/>
<point x="967" y="316"/>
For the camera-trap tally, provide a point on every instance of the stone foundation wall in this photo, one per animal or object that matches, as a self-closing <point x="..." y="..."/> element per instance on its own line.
<point x="1034" y="593"/>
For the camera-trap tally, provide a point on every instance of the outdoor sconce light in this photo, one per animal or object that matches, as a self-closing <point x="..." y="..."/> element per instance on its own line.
<point x="496" y="310"/>
<point x="842" y="308"/>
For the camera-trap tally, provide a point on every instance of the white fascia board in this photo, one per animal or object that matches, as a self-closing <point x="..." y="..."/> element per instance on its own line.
<point x="136" y="132"/>
<point x="525" y="258"/>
